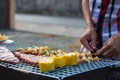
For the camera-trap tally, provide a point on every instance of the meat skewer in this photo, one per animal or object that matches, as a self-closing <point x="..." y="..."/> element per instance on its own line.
<point x="28" y="58"/>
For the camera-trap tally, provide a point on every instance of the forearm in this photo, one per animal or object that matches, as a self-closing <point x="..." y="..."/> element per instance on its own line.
<point x="86" y="13"/>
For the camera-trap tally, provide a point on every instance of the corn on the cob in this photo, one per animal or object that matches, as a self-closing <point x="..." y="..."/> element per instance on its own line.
<point x="71" y="59"/>
<point x="46" y="65"/>
<point x="59" y="61"/>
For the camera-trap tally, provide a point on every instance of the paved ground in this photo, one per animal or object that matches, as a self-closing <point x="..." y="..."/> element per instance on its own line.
<point x="64" y="26"/>
<point x="55" y="20"/>
<point x="27" y="38"/>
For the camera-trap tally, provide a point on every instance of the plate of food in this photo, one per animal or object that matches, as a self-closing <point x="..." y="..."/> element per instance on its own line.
<point x="3" y="38"/>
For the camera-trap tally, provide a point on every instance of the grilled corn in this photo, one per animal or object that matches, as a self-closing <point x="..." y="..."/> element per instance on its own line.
<point x="59" y="61"/>
<point x="46" y="65"/>
<point x="71" y="59"/>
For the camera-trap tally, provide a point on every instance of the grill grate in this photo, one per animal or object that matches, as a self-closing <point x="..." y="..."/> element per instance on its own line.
<point x="61" y="72"/>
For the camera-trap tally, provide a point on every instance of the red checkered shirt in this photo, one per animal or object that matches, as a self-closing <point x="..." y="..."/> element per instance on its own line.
<point x="106" y="18"/>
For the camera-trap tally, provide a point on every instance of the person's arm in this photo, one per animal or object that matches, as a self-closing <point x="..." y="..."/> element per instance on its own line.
<point x="89" y="37"/>
<point x="86" y="14"/>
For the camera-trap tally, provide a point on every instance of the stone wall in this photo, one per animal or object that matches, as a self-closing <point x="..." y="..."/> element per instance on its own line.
<point x="50" y="7"/>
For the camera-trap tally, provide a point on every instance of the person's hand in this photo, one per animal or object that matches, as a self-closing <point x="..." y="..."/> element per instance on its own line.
<point x="88" y="39"/>
<point x="111" y="48"/>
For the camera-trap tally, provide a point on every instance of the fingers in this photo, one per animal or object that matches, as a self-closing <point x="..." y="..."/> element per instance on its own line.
<point x="85" y="43"/>
<point x="88" y="39"/>
<point x="114" y="55"/>
<point x="104" y="49"/>
<point x="109" y="53"/>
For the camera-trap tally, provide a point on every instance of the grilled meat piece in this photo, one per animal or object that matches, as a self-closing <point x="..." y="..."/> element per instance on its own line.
<point x="28" y="58"/>
<point x="7" y="56"/>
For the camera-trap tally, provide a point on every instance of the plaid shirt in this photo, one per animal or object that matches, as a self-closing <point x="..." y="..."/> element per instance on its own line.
<point x="106" y="18"/>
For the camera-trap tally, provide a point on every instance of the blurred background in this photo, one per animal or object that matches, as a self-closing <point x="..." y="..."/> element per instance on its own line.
<point x="60" y="17"/>
<point x="50" y="17"/>
<point x="50" y="7"/>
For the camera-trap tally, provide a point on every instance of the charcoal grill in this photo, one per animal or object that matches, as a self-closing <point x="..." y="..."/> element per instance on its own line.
<point x="86" y="71"/>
